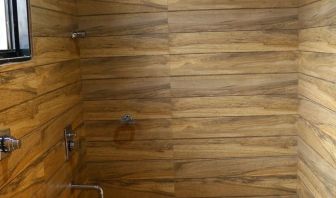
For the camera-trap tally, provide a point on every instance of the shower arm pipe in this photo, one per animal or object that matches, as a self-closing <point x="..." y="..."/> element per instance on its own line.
<point x="89" y="187"/>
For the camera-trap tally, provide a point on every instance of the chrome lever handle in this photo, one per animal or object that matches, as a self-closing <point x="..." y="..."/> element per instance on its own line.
<point x="69" y="139"/>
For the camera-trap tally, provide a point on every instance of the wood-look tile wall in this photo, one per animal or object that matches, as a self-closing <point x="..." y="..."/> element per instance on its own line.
<point x="212" y="85"/>
<point x="37" y="100"/>
<point x="317" y="90"/>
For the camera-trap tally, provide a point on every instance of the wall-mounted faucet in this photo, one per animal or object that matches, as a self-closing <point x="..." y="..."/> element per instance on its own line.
<point x="89" y="187"/>
<point x="8" y="143"/>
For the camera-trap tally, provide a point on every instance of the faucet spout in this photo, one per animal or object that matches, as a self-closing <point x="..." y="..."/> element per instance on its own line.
<point x="89" y="187"/>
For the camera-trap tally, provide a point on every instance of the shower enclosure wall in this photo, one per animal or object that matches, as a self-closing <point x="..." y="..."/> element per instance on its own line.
<point x="212" y="86"/>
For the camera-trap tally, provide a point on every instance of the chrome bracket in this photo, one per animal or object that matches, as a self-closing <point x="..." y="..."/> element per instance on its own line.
<point x="78" y="35"/>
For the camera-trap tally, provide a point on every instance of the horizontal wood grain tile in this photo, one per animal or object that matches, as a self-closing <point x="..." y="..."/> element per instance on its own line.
<point x="221" y="148"/>
<point x="114" y="130"/>
<point x="228" y="4"/>
<point x="137" y="170"/>
<point x="138" y="108"/>
<point x="225" y="187"/>
<point x="236" y="41"/>
<point x="231" y="20"/>
<point x="125" y="67"/>
<point x="249" y="126"/>
<point x="130" y="45"/>
<point x="92" y="7"/>
<point x="236" y="167"/>
<point x="233" y="106"/>
<point x="124" y="24"/>
<point x="129" y="88"/>
<point x="129" y="151"/>
<point x="257" y="84"/>
<point x="190" y="149"/>
<point x="135" y="188"/>
<point x="185" y="128"/>
<point x="233" y="63"/>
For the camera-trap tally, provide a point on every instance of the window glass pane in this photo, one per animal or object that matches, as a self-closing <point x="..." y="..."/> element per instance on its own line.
<point x="3" y="27"/>
<point x="23" y="24"/>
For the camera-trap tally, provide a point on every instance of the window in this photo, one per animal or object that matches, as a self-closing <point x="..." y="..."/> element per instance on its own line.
<point x="3" y="26"/>
<point x="14" y="31"/>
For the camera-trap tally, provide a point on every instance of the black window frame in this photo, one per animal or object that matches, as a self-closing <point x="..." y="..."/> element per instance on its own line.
<point x="16" y="53"/>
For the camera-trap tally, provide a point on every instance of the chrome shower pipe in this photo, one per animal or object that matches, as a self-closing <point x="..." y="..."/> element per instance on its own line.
<point x="89" y="187"/>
